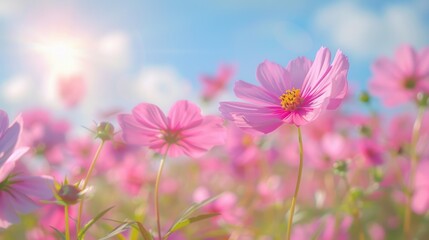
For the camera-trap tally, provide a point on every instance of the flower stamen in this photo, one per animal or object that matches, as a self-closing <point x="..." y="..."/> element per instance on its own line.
<point x="291" y="99"/>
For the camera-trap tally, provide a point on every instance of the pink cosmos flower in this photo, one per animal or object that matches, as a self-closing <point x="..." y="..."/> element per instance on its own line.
<point x="400" y="80"/>
<point x="44" y="134"/>
<point x="296" y="94"/>
<point x="71" y="89"/>
<point x="213" y="85"/>
<point x="18" y="191"/>
<point x="183" y="132"/>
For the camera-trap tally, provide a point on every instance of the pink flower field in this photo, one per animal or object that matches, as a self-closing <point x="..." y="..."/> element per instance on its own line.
<point x="296" y="146"/>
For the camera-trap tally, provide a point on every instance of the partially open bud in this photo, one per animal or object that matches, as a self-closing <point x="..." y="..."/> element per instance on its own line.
<point x="105" y="131"/>
<point x="69" y="194"/>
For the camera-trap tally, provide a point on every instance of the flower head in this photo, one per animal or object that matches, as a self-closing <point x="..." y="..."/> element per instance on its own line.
<point x="18" y="190"/>
<point x="296" y="94"/>
<point x="402" y="79"/>
<point x="213" y="85"/>
<point x="184" y="131"/>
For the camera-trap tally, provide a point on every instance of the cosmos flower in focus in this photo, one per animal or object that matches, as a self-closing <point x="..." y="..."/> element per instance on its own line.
<point x="400" y="80"/>
<point x="184" y="131"/>
<point x="297" y="94"/>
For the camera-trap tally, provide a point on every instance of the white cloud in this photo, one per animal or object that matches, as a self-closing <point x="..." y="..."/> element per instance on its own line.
<point x="163" y="86"/>
<point x="114" y="50"/>
<point x="367" y="33"/>
<point x="16" y="89"/>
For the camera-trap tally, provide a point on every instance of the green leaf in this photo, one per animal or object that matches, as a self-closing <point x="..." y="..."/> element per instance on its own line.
<point x="184" y="219"/>
<point x="59" y="234"/>
<point x="145" y="233"/>
<point x="187" y="221"/>
<point x="117" y="230"/>
<point x="91" y="222"/>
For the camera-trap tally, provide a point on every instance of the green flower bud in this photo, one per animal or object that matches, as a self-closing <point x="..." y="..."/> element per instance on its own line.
<point x="105" y="131"/>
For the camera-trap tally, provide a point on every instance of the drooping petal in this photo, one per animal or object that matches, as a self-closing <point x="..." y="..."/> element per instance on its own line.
<point x="248" y="116"/>
<point x="272" y="77"/>
<point x="255" y="94"/>
<point x="184" y="114"/>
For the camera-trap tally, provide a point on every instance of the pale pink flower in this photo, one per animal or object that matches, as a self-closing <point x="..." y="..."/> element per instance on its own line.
<point x="44" y="134"/>
<point x="214" y="85"/>
<point x="420" y="202"/>
<point x="18" y="191"/>
<point x="296" y="94"/>
<point x="401" y="79"/>
<point x="71" y="89"/>
<point x="183" y="132"/>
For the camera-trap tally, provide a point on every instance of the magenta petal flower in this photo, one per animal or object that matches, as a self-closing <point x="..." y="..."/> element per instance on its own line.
<point x="296" y="94"/>
<point x="17" y="190"/>
<point x="183" y="132"/>
<point x="400" y="80"/>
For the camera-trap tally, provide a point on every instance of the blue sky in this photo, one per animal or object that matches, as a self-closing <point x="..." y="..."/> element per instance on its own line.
<point x="130" y="48"/>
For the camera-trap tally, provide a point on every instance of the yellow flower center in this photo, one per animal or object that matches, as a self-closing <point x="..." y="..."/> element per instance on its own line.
<point x="291" y="99"/>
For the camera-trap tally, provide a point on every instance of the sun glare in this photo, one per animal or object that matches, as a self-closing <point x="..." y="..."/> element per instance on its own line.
<point x="61" y="56"/>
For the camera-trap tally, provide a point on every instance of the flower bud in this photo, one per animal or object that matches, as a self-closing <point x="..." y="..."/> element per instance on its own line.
<point x="69" y="194"/>
<point x="105" y="131"/>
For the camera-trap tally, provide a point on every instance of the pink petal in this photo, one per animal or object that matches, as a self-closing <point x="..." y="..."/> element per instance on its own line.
<point x="406" y="59"/>
<point x="248" y="116"/>
<point x="133" y="132"/>
<point x="255" y="94"/>
<point x="338" y="77"/>
<point x="35" y="186"/>
<point x="9" y="140"/>
<point x="420" y="202"/>
<point x="184" y="114"/>
<point x="315" y="83"/>
<point x="272" y="78"/>
<point x="297" y="70"/>
<point x="7" y="214"/>
<point x="4" y="122"/>
<point x="150" y="116"/>
<point x="423" y="66"/>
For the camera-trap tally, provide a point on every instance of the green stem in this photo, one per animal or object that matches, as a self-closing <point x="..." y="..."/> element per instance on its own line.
<point x="158" y="178"/>
<point x="414" y="160"/>
<point x="85" y="183"/>
<point x="355" y="211"/>
<point x="66" y="222"/>
<point x="298" y="182"/>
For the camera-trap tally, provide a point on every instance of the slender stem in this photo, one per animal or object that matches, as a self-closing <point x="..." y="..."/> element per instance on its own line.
<point x="355" y="212"/>
<point x="414" y="160"/>
<point x="66" y="222"/>
<point x="298" y="182"/>
<point x="158" y="177"/>
<point x="85" y="183"/>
